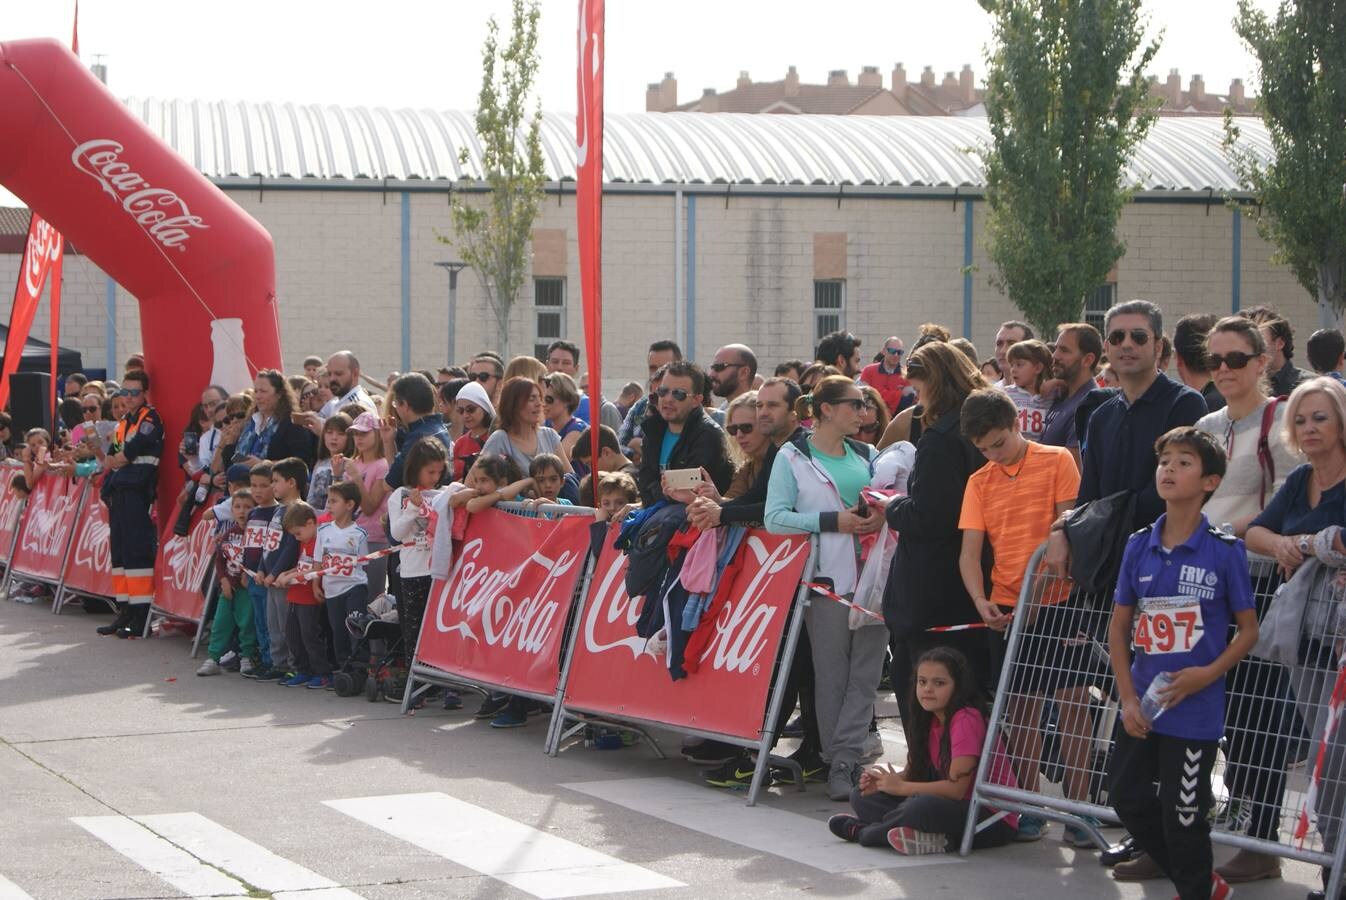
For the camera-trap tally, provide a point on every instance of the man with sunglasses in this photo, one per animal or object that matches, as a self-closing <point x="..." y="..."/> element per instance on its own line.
<point x="732" y="372"/>
<point x="128" y="492"/>
<point x="1117" y="452"/>
<point x="678" y="434"/>
<point x="887" y="377"/>
<point x="487" y="371"/>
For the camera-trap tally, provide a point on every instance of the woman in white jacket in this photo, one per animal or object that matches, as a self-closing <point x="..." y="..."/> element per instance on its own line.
<point x="815" y="489"/>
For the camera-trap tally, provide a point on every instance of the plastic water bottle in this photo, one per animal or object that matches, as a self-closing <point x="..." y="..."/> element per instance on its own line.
<point x="1151" y="706"/>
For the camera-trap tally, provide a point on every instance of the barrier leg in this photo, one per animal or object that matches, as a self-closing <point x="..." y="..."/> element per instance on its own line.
<point x="552" y="745"/>
<point x="13" y="545"/>
<point x="773" y="706"/>
<point x="214" y="594"/>
<point x="58" y="600"/>
<point x="998" y="706"/>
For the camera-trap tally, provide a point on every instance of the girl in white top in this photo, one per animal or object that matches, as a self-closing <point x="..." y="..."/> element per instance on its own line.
<point x="412" y="522"/>
<point x="1238" y="360"/>
<point x="1030" y="364"/>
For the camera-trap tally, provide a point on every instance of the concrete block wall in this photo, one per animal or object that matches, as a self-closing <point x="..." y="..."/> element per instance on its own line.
<point x="339" y="275"/>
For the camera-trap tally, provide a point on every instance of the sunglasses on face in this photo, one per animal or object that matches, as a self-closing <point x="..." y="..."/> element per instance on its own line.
<point x="678" y="393"/>
<point x="90" y="409"/>
<point x="854" y="403"/>
<point x="482" y="376"/>
<point x="735" y="430"/>
<point x="891" y="351"/>
<point x="129" y="392"/>
<point x="235" y="417"/>
<point x="1139" y="336"/>
<point x="1235" y="360"/>
<point x="720" y="367"/>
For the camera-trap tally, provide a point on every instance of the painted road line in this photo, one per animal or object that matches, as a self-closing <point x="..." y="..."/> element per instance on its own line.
<point x="723" y="815"/>
<point x="235" y="854"/>
<point x="11" y="891"/>
<point x="519" y="855"/>
<point x="156" y="855"/>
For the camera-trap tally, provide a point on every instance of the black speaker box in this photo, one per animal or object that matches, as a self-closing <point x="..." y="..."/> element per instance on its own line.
<point x="29" y="396"/>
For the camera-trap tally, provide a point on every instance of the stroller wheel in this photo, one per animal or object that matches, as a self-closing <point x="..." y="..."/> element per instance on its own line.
<point x="344" y="685"/>
<point x="371" y="689"/>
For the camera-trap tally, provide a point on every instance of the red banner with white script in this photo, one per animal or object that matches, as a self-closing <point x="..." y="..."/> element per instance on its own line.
<point x="500" y="617"/>
<point x="41" y="258"/>
<point x="48" y="526"/>
<point x="90" y="568"/>
<point x="180" y="570"/>
<point x="11" y="506"/>
<point x="612" y="672"/>
<point x="589" y="196"/>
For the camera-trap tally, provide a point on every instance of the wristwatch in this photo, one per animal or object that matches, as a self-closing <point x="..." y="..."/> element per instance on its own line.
<point x="1305" y="544"/>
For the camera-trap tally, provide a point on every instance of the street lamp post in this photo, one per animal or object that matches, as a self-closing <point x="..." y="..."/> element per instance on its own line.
<point x="453" y="268"/>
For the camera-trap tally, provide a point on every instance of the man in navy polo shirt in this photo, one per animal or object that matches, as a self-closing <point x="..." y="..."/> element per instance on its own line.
<point x="1181" y="584"/>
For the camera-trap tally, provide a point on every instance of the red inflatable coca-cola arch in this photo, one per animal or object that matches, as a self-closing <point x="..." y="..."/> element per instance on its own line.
<point x="202" y="269"/>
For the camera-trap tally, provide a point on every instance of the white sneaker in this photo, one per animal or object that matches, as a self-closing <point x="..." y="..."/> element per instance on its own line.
<point x="228" y="658"/>
<point x="209" y="667"/>
<point x="246" y="667"/>
<point x="910" y="842"/>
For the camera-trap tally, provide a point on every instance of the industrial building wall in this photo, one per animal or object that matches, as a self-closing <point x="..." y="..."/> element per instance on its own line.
<point x="340" y="274"/>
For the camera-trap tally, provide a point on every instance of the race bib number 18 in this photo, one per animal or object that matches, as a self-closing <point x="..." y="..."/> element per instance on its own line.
<point x="1168" y="625"/>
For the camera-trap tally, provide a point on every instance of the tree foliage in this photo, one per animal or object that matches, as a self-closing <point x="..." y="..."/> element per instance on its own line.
<point x="494" y="237"/>
<point x="1301" y="56"/>
<point x="1067" y="103"/>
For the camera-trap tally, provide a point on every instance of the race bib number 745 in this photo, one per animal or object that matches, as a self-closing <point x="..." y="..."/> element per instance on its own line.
<point x="1168" y="625"/>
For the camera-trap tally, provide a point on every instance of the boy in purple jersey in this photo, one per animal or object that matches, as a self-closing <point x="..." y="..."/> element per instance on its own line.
<point x="1181" y="583"/>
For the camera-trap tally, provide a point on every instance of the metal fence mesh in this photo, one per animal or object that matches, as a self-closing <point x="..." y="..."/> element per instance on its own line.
<point x="1057" y="710"/>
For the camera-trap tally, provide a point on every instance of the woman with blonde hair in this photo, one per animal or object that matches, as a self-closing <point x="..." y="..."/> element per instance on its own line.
<point x="525" y="367"/>
<point x="924" y="587"/>
<point x="747" y="443"/>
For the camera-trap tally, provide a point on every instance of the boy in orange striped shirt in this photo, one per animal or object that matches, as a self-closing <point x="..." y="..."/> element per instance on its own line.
<point x="1012" y="501"/>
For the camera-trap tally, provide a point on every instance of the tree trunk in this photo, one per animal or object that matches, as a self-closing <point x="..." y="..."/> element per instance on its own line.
<point x="1330" y="289"/>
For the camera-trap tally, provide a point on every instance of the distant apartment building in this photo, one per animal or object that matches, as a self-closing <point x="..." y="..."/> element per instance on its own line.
<point x="956" y="94"/>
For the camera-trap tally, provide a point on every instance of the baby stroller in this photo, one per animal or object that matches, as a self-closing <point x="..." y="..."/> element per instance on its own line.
<point x="377" y="652"/>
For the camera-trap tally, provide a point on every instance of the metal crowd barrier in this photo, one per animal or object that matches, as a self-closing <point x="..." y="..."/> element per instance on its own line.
<point x="1056" y="660"/>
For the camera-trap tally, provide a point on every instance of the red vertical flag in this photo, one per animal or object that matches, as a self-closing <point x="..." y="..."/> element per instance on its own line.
<point x="589" y="201"/>
<point x="41" y="258"/>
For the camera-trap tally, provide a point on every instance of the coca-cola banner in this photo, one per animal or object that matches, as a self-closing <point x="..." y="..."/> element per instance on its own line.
<point x="11" y="506"/>
<point x="613" y="672"/>
<point x="90" y="568"/>
<point x="48" y="526"/>
<point x="180" y="571"/>
<point x="501" y="616"/>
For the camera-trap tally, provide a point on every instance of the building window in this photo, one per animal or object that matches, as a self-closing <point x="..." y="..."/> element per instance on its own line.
<point x="549" y="310"/>
<point x="829" y="307"/>
<point x="1097" y="304"/>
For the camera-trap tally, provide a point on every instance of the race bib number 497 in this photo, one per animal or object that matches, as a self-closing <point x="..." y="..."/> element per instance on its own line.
<point x="1168" y="625"/>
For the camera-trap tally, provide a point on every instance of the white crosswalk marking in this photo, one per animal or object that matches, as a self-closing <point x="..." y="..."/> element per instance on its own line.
<point x="159" y="857"/>
<point x="204" y="859"/>
<point x="516" y="854"/>
<point x="723" y="815"/>
<point x="236" y="854"/>
<point x="11" y="891"/>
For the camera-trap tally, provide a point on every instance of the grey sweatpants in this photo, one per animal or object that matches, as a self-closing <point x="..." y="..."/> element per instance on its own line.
<point x="277" y="613"/>
<point x="847" y="666"/>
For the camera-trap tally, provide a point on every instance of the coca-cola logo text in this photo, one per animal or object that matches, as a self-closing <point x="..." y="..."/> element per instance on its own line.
<point x="187" y="558"/>
<point x="478" y="593"/>
<point x="93" y="551"/>
<point x="44" y="249"/>
<point x="46" y="529"/>
<point x="162" y="214"/>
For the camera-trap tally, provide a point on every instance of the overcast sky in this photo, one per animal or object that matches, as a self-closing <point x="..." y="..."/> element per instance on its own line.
<point x="419" y="53"/>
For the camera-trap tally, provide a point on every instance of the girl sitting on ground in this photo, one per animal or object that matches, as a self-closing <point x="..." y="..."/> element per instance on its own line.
<point x="923" y="808"/>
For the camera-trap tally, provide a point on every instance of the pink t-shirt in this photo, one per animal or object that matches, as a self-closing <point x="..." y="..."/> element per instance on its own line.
<point x="371" y="474"/>
<point x="967" y="736"/>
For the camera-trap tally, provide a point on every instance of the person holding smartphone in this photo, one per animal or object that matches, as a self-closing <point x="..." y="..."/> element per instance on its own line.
<point x="815" y="488"/>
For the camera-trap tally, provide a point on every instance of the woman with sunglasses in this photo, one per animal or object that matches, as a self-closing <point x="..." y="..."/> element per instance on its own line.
<point x="747" y="445"/>
<point x="560" y="399"/>
<point x="815" y="488"/>
<point x="874" y="418"/>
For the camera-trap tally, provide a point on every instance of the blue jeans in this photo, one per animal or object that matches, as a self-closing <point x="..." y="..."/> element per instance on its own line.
<point x="258" y="594"/>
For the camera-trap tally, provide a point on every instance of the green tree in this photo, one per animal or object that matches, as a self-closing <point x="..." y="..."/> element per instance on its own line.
<point x="1067" y="102"/>
<point x="493" y="236"/>
<point x="1301" y="57"/>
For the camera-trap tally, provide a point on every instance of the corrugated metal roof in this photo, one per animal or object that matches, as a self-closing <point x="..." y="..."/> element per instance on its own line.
<point x="288" y="140"/>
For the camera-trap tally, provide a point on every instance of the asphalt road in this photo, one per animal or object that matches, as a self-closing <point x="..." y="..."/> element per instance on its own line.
<point x="123" y="775"/>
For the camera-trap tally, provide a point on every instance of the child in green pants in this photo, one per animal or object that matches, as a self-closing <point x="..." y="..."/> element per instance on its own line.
<point x="233" y="607"/>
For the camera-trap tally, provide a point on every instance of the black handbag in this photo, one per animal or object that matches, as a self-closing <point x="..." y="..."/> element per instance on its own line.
<point x="1098" y="532"/>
